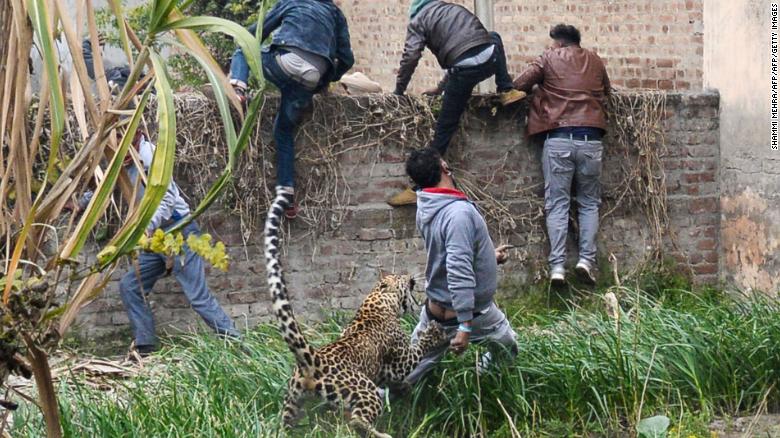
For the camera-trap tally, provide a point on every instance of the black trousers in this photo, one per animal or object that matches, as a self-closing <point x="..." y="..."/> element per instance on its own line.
<point x="458" y="88"/>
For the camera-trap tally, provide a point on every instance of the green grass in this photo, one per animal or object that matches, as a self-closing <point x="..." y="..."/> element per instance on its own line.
<point x="688" y="356"/>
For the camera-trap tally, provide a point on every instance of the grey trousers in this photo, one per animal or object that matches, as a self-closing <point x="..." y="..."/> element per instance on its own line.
<point x="491" y="326"/>
<point x="564" y="160"/>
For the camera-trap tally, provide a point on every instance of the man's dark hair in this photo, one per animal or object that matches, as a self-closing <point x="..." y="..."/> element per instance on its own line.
<point x="424" y="167"/>
<point x="566" y="33"/>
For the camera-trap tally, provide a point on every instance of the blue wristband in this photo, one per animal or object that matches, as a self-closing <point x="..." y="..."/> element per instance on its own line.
<point x="464" y="328"/>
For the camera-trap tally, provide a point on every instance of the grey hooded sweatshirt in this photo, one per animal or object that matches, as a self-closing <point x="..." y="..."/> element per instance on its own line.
<point x="461" y="271"/>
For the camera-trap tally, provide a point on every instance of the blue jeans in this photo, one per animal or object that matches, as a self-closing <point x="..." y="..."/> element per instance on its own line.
<point x="189" y="272"/>
<point x="295" y="100"/>
<point x="564" y="160"/>
<point x="458" y="88"/>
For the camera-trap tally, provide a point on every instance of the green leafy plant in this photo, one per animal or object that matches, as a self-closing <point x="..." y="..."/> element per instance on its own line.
<point x="710" y="359"/>
<point x="186" y="71"/>
<point x="653" y="427"/>
<point x="31" y="234"/>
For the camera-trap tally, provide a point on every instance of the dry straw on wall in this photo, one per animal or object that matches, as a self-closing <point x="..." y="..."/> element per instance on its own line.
<point x="344" y="131"/>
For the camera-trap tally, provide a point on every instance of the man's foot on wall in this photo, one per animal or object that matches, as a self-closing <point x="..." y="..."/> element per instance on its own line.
<point x="558" y="276"/>
<point x="291" y="212"/>
<point x="242" y="92"/>
<point x="406" y="197"/>
<point x="511" y="96"/>
<point x="585" y="273"/>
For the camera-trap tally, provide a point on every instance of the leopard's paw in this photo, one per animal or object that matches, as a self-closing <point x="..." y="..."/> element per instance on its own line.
<point x="433" y="335"/>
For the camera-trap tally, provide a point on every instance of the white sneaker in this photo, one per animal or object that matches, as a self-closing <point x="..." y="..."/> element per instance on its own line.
<point x="484" y="363"/>
<point x="558" y="276"/>
<point x="585" y="272"/>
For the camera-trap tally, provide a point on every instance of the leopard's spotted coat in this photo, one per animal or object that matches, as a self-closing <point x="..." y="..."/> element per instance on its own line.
<point x="373" y="350"/>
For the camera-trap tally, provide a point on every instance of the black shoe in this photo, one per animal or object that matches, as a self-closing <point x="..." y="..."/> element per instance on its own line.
<point x="145" y="350"/>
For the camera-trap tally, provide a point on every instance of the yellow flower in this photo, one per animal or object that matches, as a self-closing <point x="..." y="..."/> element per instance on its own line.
<point x="106" y="254"/>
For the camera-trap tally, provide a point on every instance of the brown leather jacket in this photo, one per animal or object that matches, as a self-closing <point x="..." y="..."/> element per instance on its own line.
<point x="573" y="85"/>
<point x="447" y="29"/>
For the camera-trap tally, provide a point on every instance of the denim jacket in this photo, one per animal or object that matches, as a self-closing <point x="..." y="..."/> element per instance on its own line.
<point x="316" y="26"/>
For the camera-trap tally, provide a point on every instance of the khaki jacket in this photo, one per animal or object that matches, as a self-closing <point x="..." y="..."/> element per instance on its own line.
<point x="572" y="89"/>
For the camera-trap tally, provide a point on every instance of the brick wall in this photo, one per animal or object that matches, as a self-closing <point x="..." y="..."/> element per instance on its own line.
<point x="334" y="270"/>
<point x="645" y="43"/>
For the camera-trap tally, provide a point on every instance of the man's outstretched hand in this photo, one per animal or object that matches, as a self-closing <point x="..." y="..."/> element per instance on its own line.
<point x="460" y="343"/>
<point x="502" y="253"/>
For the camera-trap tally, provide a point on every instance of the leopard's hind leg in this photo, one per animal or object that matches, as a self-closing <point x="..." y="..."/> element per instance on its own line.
<point x="358" y="394"/>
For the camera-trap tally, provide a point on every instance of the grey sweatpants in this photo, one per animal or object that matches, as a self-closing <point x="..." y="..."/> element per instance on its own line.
<point x="491" y="326"/>
<point x="564" y="159"/>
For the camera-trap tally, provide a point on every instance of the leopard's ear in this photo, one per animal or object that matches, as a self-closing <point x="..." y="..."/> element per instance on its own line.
<point x="384" y="274"/>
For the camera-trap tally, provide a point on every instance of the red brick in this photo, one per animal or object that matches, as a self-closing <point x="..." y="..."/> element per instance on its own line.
<point x="700" y="177"/>
<point x="707" y="244"/>
<point x="709" y="268"/>
<point x="707" y="205"/>
<point x="694" y="258"/>
<point x="633" y="83"/>
<point x="649" y="83"/>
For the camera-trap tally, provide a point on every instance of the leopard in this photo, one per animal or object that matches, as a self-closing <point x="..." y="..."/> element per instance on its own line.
<point x="371" y="351"/>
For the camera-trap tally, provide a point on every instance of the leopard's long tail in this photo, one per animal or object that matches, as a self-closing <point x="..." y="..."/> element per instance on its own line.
<point x="304" y="353"/>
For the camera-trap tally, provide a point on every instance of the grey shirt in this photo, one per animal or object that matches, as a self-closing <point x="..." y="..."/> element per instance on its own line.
<point x="461" y="271"/>
<point x="173" y="206"/>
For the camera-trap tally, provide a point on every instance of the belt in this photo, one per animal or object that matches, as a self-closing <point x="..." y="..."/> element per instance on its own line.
<point x="577" y="137"/>
<point x="470" y="67"/>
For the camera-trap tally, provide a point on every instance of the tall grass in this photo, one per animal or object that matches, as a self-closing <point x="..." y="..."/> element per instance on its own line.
<point x="577" y="371"/>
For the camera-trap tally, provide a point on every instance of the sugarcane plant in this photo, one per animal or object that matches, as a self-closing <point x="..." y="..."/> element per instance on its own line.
<point x="45" y="277"/>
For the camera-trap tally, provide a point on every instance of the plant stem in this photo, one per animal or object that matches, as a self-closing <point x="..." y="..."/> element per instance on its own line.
<point x="45" y="385"/>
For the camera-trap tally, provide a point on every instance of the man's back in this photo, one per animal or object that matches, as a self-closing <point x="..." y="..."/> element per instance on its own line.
<point x="310" y="17"/>
<point x="449" y="30"/>
<point x="461" y="255"/>
<point x="568" y="107"/>
<point x="315" y="26"/>
<point x="573" y="84"/>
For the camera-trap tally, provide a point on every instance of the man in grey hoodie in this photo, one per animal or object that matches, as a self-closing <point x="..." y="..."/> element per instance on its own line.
<point x="462" y="264"/>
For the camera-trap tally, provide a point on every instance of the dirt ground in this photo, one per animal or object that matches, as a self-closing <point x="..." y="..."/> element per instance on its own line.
<point x="764" y="426"/>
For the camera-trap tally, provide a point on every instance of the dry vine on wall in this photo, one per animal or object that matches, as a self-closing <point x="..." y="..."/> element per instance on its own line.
<point x="339" y="129"/>
<point x="350" y="131"/>
<point x="637" y="134"/>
